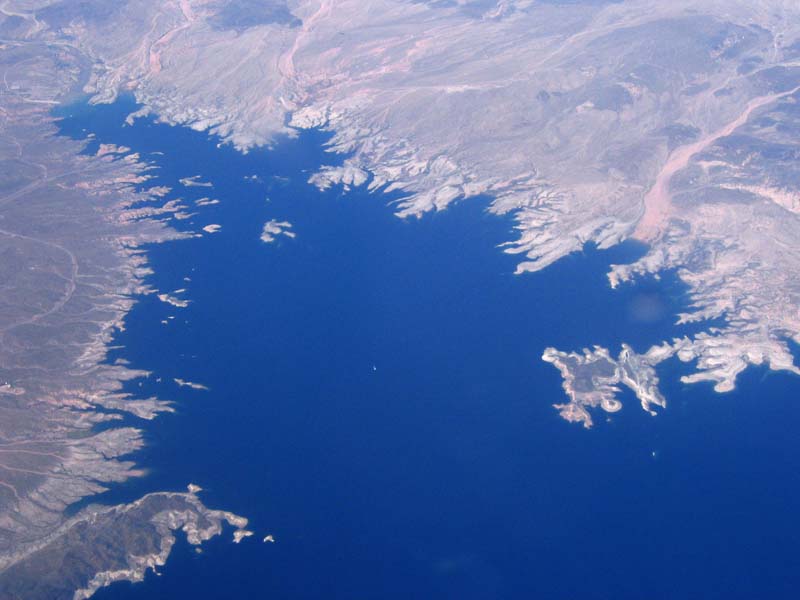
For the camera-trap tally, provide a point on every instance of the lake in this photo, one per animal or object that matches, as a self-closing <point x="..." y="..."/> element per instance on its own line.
<point x="378" y="404"/>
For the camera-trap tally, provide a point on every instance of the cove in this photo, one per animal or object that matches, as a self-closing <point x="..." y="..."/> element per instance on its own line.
<point x="377" y="403"/>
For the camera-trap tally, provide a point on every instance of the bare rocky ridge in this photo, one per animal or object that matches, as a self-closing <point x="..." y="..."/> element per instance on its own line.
<point x="134" y="537"/>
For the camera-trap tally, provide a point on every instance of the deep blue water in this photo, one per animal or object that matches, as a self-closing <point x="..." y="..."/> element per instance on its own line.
<point x="442" y="472"/>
